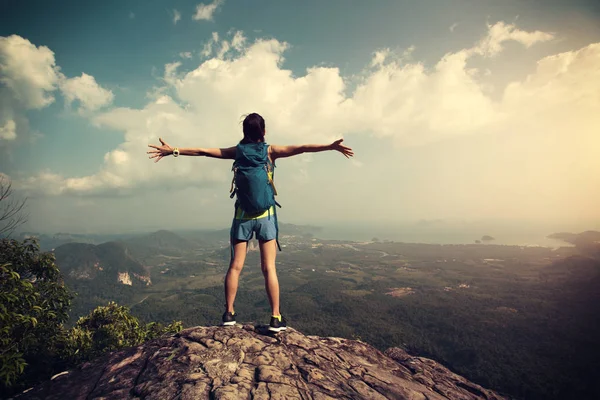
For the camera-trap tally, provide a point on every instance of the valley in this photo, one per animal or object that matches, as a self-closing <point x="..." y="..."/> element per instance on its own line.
<point x="522" y="320"/>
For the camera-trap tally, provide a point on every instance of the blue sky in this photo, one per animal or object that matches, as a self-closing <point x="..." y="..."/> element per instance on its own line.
<point x="457" y="110"/>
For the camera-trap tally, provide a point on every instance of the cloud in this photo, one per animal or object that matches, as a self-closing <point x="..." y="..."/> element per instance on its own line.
<point x="379" y="57"/>
<point x="29" y="79"/>
<point x="564" y="85"/>
<point x="453" y="26"/>
<point x="8" y="131"/>
<point x="185" y="54"/>
<point x="206" y="11"/>
<point x="131" y="15"/>
<point x="86" y="91"/>
<point x="404" y="101"/>
<point x="207" y="49"/>
<point x="500" y="33"/>
<point x="176" y="16"/>
<point x="224" y="49"/>
<point x="28" y="71"/>
<point x="171" y="71"/>
<point x="238" y="41"/>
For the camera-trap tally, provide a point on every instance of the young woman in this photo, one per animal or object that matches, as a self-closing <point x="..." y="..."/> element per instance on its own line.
<point x="264" y="225"/>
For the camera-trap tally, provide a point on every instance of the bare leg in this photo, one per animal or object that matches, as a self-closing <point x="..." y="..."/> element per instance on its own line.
<point x="268" y="251"/>
<point x="233" y="273"/>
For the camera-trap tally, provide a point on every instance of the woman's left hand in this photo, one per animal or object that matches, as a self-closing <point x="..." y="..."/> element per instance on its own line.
<point x="161" y="151"/>
<point x="345" y="150"/>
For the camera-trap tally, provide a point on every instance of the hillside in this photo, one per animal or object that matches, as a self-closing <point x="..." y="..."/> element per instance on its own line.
<point x="587" y="242"/>
<point x="107" y="261"/>
<point x="50" y="242"/>
<point x="578" y="239"/>
<point x="100" y="273"/>
<point x="161" y="242"/>
<point x="521" y="320"/>
<point x="243" y="362"/>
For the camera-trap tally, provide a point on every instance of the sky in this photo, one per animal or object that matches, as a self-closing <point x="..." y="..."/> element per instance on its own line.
<point x="470" y="111"/>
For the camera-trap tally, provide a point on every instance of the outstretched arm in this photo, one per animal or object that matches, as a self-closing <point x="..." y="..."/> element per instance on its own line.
<point x="288" y="151"/>
<point x="166" y="150"/>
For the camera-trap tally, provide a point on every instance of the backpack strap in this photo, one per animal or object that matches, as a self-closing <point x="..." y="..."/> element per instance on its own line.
<point x="232" y="230"/>
<point x="232" y="189"/>
<point x="276" y="227"/>
<point x="271" y="167"/>
<point x="269" y="173"/>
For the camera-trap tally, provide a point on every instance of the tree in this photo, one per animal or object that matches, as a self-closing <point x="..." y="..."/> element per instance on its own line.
<point x="109" y="328"/>
<point x="34" y="304"/>
<point x="12" y="213"/>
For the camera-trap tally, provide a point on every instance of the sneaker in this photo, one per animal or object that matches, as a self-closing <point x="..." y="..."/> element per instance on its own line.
<point x="276" y="325"/>
<point x="228" y="319"/>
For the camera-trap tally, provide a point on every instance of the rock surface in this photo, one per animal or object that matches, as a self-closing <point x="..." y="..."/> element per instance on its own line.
<point x="245" y="362"/>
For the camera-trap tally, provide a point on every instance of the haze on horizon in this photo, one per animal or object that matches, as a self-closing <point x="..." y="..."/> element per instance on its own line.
<point x="471" y="113"/>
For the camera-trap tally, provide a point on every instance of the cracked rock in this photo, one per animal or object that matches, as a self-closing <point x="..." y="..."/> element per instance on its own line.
<point x="243" y="362"/>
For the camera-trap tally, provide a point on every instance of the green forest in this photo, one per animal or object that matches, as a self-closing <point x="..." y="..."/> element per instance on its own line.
<point x="545" y="350"/>
<point x="35" y="341"/>
<point x="521" y="321"/>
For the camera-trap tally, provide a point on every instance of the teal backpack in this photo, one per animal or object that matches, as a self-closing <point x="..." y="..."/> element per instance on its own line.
<point x="253" y="181"/>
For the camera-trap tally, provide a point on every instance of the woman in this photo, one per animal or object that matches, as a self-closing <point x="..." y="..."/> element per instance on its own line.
<point x="245" y="225"/>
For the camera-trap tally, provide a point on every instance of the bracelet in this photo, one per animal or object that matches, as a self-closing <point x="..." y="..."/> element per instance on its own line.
<point x="175" y="151"/>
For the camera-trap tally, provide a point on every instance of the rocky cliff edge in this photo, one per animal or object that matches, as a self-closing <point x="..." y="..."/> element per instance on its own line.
<point x="245" y="362"/>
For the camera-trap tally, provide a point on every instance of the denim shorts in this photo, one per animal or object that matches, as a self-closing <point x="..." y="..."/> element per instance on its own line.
<point x="264" y="228"/>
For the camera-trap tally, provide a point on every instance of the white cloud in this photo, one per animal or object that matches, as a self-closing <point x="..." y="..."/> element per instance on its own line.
<point x="206" y="11"/>
<point x="238" y="41"/>
<point x="29" y="77"/>
<point x="45" y="183"/>
<point x="500" y="33"/>
<point x="8" y="131"/>
<point x="565" y="85"/>
<point x="383" y="56"/>
<point x="28" y="71"/>
<point x="176" y="16"/>
<point x="532" y="125"/>
<point x="185" y="54"/>
<point x="224" y="49"/>
<point x="379" y="57"/>
<point x="220" y="48"/>
<point x="86" y="91"/>
<point x="207" y="49"/>
<point x="453" y="26"/>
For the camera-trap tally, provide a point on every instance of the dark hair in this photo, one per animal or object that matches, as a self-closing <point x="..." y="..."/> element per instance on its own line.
<point x="254" y="128"/>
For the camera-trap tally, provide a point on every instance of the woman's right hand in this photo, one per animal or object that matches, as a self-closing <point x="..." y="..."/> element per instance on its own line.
<point x="345" y="150"/>
<point x="161" y="151"/>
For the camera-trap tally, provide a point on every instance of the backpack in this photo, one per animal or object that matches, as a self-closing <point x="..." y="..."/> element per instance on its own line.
<point x="252" y="178"/>
<point x="253" y="181"/>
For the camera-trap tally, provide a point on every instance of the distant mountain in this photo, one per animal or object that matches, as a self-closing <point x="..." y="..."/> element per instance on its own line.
<point x="107" y="262"/>
<point x="564" y="236"/>
<point x="577" y="238"/>
<point x="221" y="236"/>
<point x="299" y="230"/>
<point x="588" y="242"/>
<point x="159" y="242"/>
<point x="206" y="237"/>
<point x="51" y="241"/>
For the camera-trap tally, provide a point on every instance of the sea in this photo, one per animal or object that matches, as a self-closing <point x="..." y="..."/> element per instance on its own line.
<point x="443" y="234"/>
